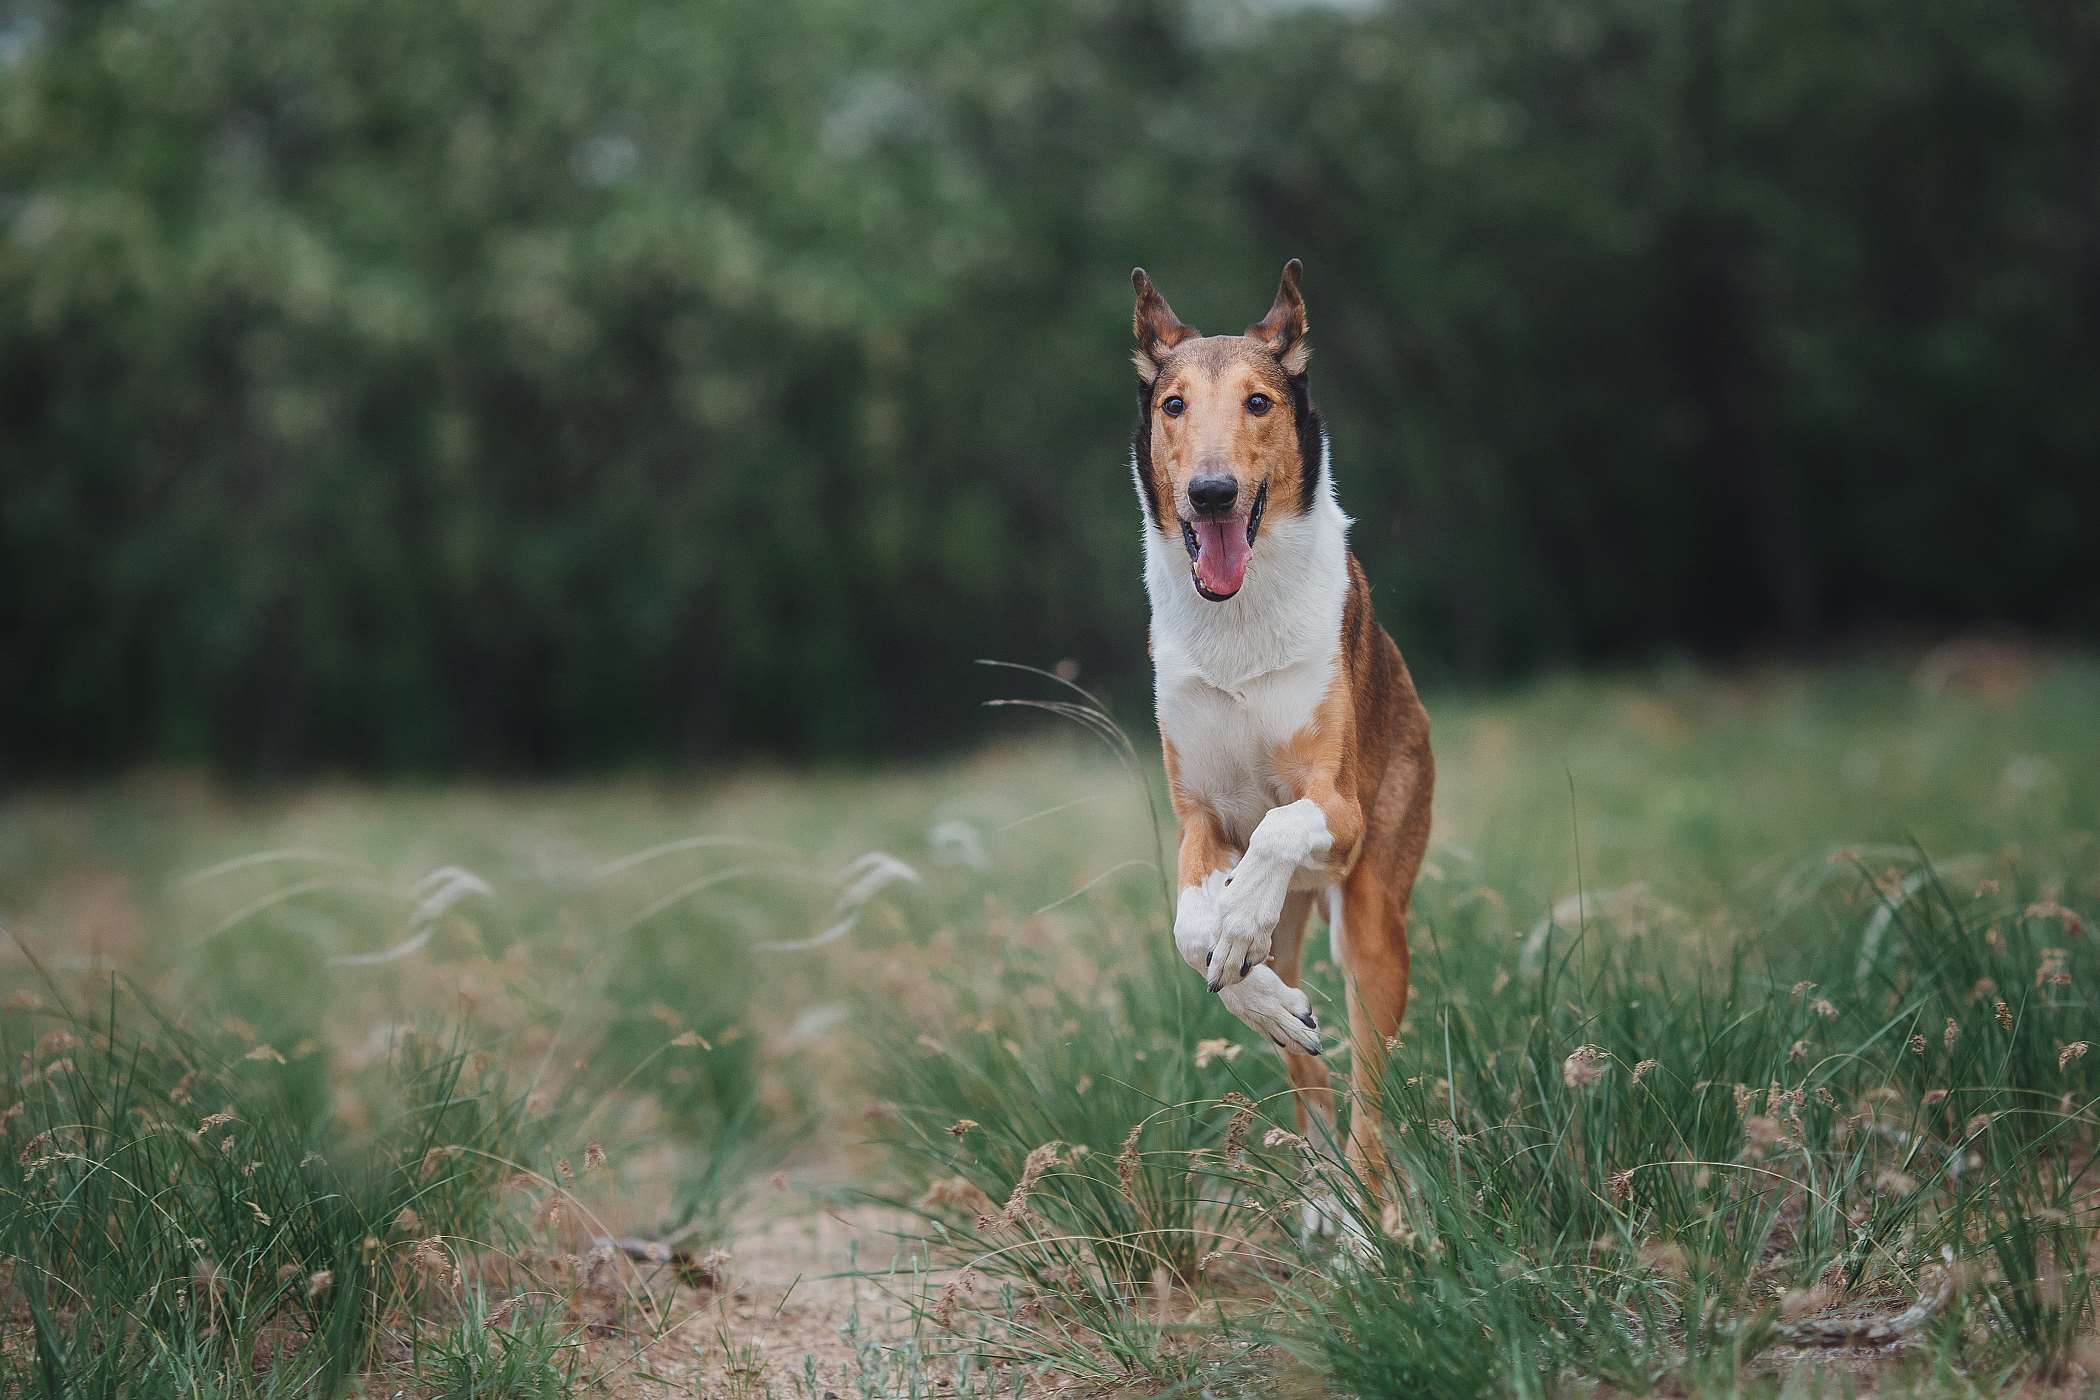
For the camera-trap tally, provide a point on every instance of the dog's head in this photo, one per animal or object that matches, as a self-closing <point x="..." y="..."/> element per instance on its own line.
<point x="1226" y="432"/>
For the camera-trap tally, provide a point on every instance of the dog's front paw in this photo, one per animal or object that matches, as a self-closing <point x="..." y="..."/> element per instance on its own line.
<point x="1248" y="908"/>
<point x="1196" y="921"/>
<point x="1276" y="1009"/>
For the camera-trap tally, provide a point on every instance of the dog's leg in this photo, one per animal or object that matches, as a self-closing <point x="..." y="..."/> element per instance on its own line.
<point x="1321" y="1214"/>
<point x="1206" y="861"/>
<point x="1314" y="1096"/>
<point x="1374" y="969"/>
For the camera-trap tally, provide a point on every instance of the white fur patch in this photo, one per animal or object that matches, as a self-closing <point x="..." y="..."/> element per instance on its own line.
<point x="1196" y="918"/>
<point x="1278" y="1010"/>
<point x="1336" y="943"/>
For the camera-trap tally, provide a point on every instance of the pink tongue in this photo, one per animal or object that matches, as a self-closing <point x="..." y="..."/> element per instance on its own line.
<point x="1221" y="563"/>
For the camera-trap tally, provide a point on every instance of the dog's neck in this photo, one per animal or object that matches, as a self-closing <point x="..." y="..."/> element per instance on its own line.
<point x="1289" y="611"/>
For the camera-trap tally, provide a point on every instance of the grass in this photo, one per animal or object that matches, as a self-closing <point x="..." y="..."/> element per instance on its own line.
<point x="1738" y="1003"/>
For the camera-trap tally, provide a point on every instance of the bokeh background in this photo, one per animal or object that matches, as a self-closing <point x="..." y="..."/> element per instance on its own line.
<point x="513" y="386"/>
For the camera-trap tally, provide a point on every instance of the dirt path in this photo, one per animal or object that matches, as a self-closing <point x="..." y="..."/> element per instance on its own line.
<point x="814" y="1299"/>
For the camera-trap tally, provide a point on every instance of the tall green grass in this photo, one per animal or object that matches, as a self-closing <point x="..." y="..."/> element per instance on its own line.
<point x="337" y="1139"/>
<point x="1614" y="1174"/>
<point x="1075" y="1136"/>
<point x="176" y="1200"/>
<point x="1717" y="877"/>
<point x="1735" y="1103"/>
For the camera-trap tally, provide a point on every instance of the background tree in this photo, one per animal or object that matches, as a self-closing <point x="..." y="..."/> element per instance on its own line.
<point x="510" y="384"/>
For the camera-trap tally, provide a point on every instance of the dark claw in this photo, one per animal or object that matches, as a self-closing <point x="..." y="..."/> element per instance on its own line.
<point x="1215" y="984"/>
<point x="1309" y="1023"/>
<point x="1246" y="966"/>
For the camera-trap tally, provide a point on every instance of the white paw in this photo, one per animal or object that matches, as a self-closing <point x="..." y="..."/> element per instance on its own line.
<point x="1196" y="919"/>
<point x="1248" y="908"/>
<point x="1323" y="1219"/>
<point x="1279" y="1011"/>
<point x="1244" y="933"/>
<point x="1320" y="1216"/>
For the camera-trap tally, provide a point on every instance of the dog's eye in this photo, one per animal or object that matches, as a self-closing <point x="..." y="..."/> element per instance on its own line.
<point x="1173" y="406"/>
<point x="1258" y="404"/>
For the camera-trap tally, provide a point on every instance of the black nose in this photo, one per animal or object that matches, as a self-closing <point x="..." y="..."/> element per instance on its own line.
<point x="1213" y="495"/>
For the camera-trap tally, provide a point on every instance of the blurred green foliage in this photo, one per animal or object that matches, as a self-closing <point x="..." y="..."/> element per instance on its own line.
<point x="505" y="383"/>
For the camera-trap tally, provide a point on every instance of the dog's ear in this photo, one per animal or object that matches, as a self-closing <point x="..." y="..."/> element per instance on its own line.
<point x="1157" y="328"/>
<point x="1285" y="328"/>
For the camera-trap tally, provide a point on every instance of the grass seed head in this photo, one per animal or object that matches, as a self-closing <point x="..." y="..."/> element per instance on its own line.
<point x="1762" y="1130"/>
<point x="431" y="1258"/>
<point x="57" y="1043"/>
<point x="950" y="1298"/>
<point x="1236" y="1131"/>
<point x="1127" y="1162"/>
<point x="1041" y="1160"/>
<point x="956" y="1192"/>
<point x="1582" y="1068"/>
<point x="2067" y="1054"/>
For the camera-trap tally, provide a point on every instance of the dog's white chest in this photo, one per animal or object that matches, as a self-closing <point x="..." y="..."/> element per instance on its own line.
<point x="1235" y="681"/>
<point x="1226" y="739"/>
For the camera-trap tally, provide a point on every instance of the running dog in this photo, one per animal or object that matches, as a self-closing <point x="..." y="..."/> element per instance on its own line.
<point x="1297" y="752"/>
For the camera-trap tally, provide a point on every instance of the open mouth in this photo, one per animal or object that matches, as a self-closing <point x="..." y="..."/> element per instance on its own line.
<point x="1220" y="548"/>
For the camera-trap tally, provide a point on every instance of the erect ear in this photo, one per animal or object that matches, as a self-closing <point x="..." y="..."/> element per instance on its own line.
<point x="1157" y="328"/>
<point x="1285" y="328"/>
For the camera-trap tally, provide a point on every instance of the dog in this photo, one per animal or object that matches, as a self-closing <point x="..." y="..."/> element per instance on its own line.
<point x="1296" y="750"/>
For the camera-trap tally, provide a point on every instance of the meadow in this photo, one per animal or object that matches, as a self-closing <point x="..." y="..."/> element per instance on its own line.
<point x="1751" y="1050"/>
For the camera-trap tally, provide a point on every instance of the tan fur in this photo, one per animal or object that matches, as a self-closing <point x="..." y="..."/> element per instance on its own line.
<point x="1395" y="775"/>
<point x="1215" y="375"/>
